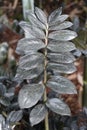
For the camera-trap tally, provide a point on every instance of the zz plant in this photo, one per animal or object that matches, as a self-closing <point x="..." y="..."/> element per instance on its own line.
<point x="45" y="58"/>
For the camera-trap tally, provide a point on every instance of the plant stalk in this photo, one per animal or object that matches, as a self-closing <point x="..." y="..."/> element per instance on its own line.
<point x="45" y="78"/>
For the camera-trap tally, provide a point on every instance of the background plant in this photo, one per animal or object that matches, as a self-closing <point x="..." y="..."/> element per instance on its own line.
<point x="81" y="43"/>
<point x="45" y="57"/>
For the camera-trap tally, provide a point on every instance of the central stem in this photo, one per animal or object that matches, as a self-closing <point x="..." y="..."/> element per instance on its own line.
<point x="45" y="78"/>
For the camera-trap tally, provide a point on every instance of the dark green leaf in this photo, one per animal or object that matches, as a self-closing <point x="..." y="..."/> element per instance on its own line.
<point x="31" y="57"/>
<point x="41" y="15"/>
<point x="30" y="95"/>
<point x="2" y="89"/>
<point x="76" y="53"/>
<point x="2" y="122"/>
<point x="4" y="101"/>
<point x="61" y="85"/>
<point x="9" y="95"/>
<point x="62" y="35"/>
<point x="62" y="68"/>
<point x="58" y="106"/>
<point x="57" y="20"/>
<point x="61" y="57"/>
<point x="29" y="66"/>
<point x="29" y="73"/>
<point x="34" y="20"/>
<point x="61" y="26"/>
<point x="30" y="61"/>
<point x="31" y="31"/>
<point x="26" y="45"/>
<point x="15" y="116"/>
<point x="38" y="114"/>
<point x="61" y="46"/>
<point x="56" y="13"/>
<point x="3" y="78"/>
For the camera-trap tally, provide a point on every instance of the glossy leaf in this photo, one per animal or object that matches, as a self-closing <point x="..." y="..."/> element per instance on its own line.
<point x="61" y="85"/>
<point x="61" y="26"/>
<point x="28" y="66"/>
<point x="2" y="89"/>
<point x="30" y="56"/>
<point x="15" y="116"/>
<point x="58" y="106"/>
<point x="26" y="45"/>
<point x="30" y="95"/>
<point x="4" y="101"/>
<point x="62" y="68"/>
<point x="56" y="13"/>
<point x="38" y="114"/>
<point x="9" y="95"/>
<point x="61" y="47"/>
<point x="76" y="53"/>
<point x="34" y="20"/>
<point x="2" y="122"/>
<point x="14" y="106"/>
<point x="61" y="57"/>
<point x="29" y="61"/>
<point x="41" y="15"/>
<point x="62" y="35"/>
<point x="57" y="20"/>
<point x="3" y="78"/>
<point x="33" y="32"/>
<point x="29" y="73"/>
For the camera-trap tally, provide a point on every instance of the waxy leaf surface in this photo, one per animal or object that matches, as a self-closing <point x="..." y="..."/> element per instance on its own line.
<point x="15" y="116"/>
<point x="31" y="31"/>
<point x="66" y="57"/>
<point x="57" y="20"/>
<point x="28" y="45"/>
<point x="62" y="68"/>
<point x="61" y="85"/>
<point x="58" y="106"/>
<point x="62" y="35"/>
<point x="56" y="13"/>
<point x="38" y="114"/>
<point x="30" y="95"/>
<point x="61" y="26"/>
<point x="61" y="47"/>
<point x="41" y="15"/>
<point x="34" y="20"/>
